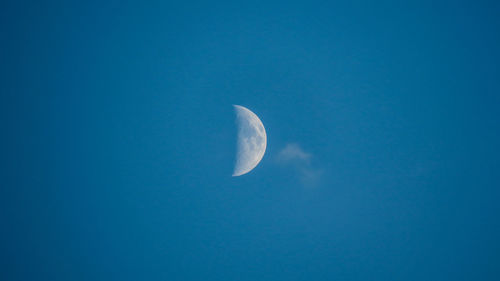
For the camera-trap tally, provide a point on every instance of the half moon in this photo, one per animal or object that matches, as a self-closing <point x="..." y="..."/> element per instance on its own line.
<point x="252" y="141"/>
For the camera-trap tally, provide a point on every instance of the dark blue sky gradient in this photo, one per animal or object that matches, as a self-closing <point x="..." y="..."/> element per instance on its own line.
<point x="119" y="137"/>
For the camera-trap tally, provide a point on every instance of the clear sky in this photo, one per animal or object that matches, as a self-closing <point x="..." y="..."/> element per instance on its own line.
<point x="119" y="138"/>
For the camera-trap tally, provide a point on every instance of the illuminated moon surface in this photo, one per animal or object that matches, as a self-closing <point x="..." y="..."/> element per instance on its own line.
<point x="252" y="141"/>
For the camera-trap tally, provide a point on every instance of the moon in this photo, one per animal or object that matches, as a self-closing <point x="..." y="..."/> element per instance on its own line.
<point x="252" y="141"/>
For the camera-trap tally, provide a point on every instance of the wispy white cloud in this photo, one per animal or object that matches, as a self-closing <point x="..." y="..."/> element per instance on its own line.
<point x="293" y="152"/>
<point x="292" y="155"/>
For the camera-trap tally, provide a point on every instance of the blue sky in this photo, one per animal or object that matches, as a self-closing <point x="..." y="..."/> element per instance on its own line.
<point x="119" y="141"/>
